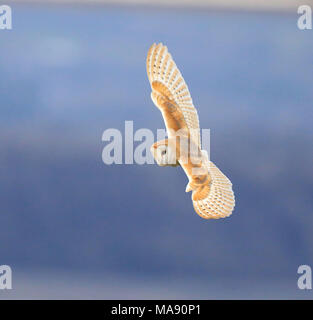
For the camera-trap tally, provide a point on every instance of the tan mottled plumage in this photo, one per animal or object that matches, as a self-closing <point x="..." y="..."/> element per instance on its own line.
<point x="212" y="193"/>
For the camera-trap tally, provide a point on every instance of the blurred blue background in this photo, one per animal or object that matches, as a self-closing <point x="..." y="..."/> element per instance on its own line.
<point x="73" y="227"/>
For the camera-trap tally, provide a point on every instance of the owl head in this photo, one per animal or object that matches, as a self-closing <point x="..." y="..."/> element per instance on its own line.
<point x="164" y="153"/>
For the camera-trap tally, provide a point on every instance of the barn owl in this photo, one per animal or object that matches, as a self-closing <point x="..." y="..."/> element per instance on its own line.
<point x="212" y="193"/>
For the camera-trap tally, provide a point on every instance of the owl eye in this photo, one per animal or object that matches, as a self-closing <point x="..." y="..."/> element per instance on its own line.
<point x="163" y="152"/>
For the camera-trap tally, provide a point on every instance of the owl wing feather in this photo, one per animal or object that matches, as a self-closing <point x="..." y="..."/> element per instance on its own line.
<point x="221" y="200"/>
<point x="166" y="80"/>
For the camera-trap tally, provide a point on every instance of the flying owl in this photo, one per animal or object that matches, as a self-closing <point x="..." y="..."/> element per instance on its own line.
<point x="212" y="193"/>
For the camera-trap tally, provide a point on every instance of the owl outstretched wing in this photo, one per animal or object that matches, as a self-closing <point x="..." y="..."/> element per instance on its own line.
<point x="220" y="201"/>
<point x="168" y="85"/>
